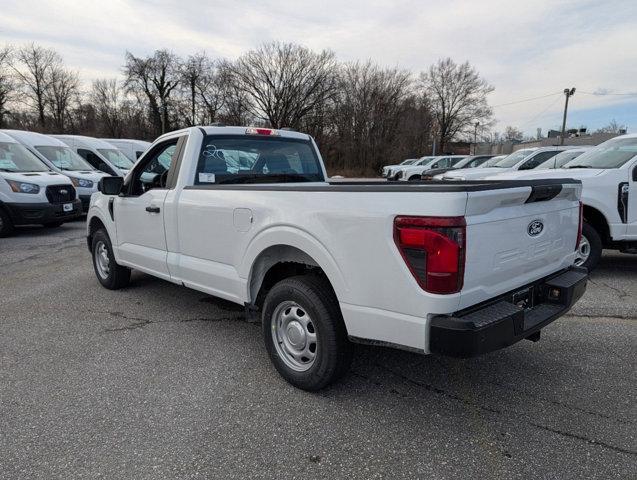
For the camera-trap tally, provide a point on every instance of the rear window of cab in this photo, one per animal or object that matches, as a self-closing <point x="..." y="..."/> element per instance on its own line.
<point x="257" y="159"/>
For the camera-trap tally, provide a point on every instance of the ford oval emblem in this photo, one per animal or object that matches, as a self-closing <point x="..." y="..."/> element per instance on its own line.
<point x="64" y="192"/>
<point x="535" y="228"/>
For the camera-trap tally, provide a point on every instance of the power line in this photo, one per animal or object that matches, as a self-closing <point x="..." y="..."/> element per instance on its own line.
<point x="526" y="100"/>
<point x="542" y="112"/>
<point x="600" y="94"/>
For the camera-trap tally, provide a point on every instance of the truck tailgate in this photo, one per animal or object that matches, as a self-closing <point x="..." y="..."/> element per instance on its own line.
<point x="518" y="235"/>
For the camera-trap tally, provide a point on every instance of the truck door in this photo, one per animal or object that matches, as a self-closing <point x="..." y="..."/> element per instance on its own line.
<point x="139" y="211"/>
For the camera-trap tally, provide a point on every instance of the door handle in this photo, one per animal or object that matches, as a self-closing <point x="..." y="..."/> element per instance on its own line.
<point x="152" y="209"/>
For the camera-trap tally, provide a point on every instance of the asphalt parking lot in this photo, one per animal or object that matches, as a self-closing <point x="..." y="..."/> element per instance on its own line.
<point x="157" y="381"/>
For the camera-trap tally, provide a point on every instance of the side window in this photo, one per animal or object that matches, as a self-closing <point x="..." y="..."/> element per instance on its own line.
<point x="154" y="170"/>
<point x="537" y="159"/>
<point x="95" y="161"/>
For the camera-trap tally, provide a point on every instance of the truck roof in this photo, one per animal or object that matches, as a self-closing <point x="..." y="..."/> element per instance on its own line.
<point x="217" y="130"/>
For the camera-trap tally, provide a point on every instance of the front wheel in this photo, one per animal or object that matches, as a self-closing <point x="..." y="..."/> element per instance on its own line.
<point x="589" y="250"/>
<point x="304" y="332"/>
<point x="109" y="273"/>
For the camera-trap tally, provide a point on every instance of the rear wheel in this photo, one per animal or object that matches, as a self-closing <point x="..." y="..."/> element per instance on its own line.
<point x="415" y="178"/>
<point x="590" y="248"/>
<point x="6" y="225"/>
<point x="108" y="272"/>
<point x="304" y="332"/>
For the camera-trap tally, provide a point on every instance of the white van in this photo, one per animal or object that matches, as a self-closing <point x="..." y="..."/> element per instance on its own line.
<point x="133" y="149"/>
<point x="30" y="192"/>
<point x="99" y="153"/>
<point x="59" y="157"/>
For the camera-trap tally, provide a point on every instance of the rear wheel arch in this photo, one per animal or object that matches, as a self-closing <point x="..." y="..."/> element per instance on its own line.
<point x="276" y="263"/>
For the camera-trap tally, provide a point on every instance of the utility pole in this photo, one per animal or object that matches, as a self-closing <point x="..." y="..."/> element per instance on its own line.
<point x="568" y="93"/>
<point x="475" y="136"/>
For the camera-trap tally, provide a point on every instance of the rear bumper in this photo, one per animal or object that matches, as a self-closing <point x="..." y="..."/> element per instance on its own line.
<point x="41" y="213"/>
<point x="502" y="321"/>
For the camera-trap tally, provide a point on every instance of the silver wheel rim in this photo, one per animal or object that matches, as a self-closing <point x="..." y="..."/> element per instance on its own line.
<point x="102" y="260"/>
<point x="583" y="252"/>
<point x="294" y="336"/>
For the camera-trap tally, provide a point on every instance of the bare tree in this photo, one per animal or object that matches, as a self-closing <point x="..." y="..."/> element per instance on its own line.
<point x="368" y="112"/>
<point x="107" y="97"/>
<point x="33" y="66"/>
<point x="612" y="127"/>
<point x="513" y="133"/>
<point x="63" y="89"/>
<point x="284" y="82"/>
<point x="155" y="78"/>
<point x="7" y="83"/>
<point x="458" y="97"/>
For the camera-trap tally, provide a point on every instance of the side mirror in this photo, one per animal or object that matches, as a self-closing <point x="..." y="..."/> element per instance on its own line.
<point x="635" y="174"/>
<point x="110" y="185"/>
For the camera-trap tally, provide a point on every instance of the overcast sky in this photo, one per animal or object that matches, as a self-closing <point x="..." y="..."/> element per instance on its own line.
<point x="525" y="49"/>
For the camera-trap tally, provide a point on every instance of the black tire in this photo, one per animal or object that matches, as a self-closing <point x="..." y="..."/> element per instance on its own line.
<point x="333" y="357"/>
<point x="117" y="276"/>
<point x="596" y="246"/>
<point x="415" y="178"/>
<point x="53" y="224"/>
<point x="6" y="225"/>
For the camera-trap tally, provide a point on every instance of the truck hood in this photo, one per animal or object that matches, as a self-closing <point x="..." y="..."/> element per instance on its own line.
<point x="41" y="179"/>
<point x="471" y="173"/>
<point x="576" y="173"/>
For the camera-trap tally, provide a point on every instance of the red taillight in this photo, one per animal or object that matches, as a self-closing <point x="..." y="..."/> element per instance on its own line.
<point x="581" y="223"/>
<point x="434" y="250"/>
<point x="261" y="131"/>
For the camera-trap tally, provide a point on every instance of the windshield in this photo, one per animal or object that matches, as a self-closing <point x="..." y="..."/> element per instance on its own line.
<point x="116" y="157"/>
<point x="611" y="154"/>
<point x="492" y="161"/>
<point x="559" y="160"/>
<point x="64" y="158"/>
<point x="16" y="158"/>
<point x="247" y="159"/>
<point x="513" y="159"/>
<point x="408" y="161"/>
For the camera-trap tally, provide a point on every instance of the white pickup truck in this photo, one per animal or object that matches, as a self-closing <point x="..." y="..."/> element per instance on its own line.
<point x="246" y="214"/>
<point x="608" y="173"/>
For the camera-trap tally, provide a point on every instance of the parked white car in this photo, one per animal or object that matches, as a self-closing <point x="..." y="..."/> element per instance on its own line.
<point x="30" y="192"/>
<point x="472" y="161"/>
<point x="524" y="159"/>
<point x="133" y="149"/>
<point x="414" y="172"/>
<point x="59" y="157"/>
<point x="99" y="153"/>
<point x="608" y="173"/>
<point x="562" y="158"/>
<point x="457" y="269"/>
<point x="386" y="169"/>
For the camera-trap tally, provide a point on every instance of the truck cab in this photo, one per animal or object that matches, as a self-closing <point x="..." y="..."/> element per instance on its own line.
<point x="59" y="157"/>
<point x="30" y="192"/>
<point x="98" y="153"/>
